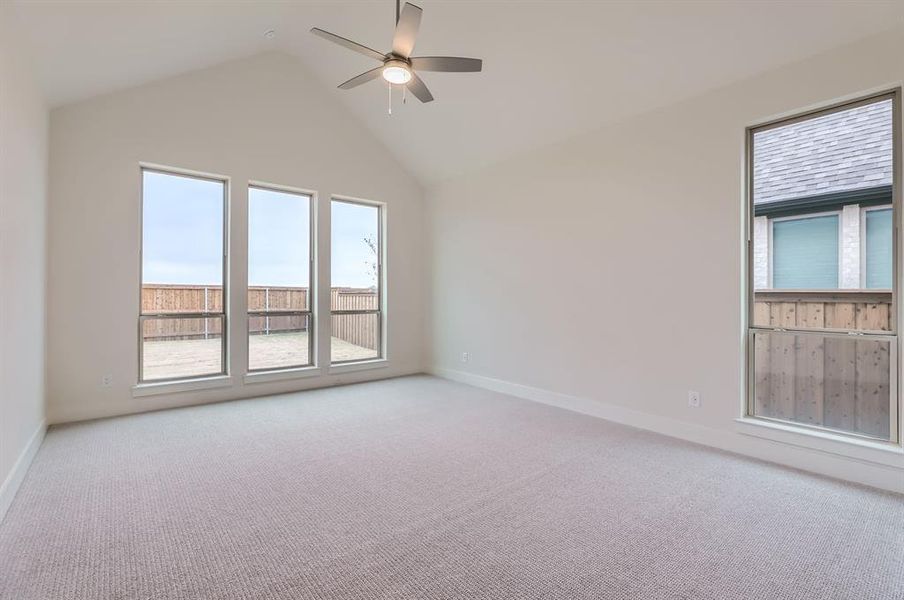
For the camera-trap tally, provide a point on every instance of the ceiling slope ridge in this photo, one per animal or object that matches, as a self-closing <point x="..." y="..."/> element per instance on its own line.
<point x="890" y="35"/>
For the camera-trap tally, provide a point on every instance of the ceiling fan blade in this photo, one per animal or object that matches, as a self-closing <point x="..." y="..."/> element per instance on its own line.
<point x="362" y="78"/>
<point x="338" y="39"/>
<point x="419" y="89"/>
<point x="447" y="64"/>
<point x="406" y="30"/>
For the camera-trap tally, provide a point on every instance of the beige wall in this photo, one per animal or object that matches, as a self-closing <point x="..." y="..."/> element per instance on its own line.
<point x="609" y="267"/>
<point x="261" y="119"/>
<point x="23" y="172"/>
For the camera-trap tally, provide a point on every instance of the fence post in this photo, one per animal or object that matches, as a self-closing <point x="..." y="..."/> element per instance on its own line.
<point x="267" y="308"/>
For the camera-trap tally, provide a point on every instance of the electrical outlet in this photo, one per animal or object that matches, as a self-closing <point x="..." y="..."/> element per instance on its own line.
<point x="693" y="399"/>
<point x="106" y="381"/>
<point x="465" y="357"/>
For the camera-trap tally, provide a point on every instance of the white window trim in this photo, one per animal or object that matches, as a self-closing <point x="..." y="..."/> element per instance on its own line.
<point x="840" y="444"/>
<point x="863" y="211"/>
<point x="256" y="375"/>
<point x="225" y="353"/>
<point x="847" y="443"/>
<point x="281" y="374"/>
<point x="154" y="388"/>
<point x="383" y="322"/>
<point x="770" y="247"/>
<point x="358" y="365"/>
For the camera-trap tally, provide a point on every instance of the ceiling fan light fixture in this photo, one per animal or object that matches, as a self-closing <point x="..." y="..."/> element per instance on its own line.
<point x="396" y="72"/>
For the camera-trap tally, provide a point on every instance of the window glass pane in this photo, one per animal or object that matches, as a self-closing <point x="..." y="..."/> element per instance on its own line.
<point x="878" y="249"/>
<point x="835" y="382"/>
<point x="812" y="255"/>
<point x="279" y="250"/>
<point x="182" y="243"/>
<point x="355" y="275"/>
<point x="355" y="337"/>
<point x="176" y="348"/>
<point x="182" y="253"/>
<point x="355" y="249"/>
<point x="278" y="342"/>
<point x="805" y="253"/>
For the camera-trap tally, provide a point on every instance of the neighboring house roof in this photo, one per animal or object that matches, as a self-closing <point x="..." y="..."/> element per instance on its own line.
<point x="839" y="152"/>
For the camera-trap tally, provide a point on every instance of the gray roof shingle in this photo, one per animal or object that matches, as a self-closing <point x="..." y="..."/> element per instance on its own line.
<point x="842" y="151"/>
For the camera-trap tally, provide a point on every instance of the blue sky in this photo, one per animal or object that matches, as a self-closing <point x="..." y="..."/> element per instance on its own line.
<point x="278" y="240"/>
<point x="183" y="235"/>
<point x="351" y="258"/>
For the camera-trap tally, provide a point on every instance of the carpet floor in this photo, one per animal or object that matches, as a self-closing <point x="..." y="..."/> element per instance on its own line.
<point x="423" y="488"/>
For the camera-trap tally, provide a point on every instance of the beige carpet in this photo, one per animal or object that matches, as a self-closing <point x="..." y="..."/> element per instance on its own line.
<point x="422" y="488"/>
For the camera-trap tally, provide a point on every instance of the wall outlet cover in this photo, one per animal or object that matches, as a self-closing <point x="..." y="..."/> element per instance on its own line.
<point x="693" y="399"/>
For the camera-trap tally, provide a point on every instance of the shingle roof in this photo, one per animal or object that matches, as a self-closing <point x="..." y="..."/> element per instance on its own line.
<point x="842" y="151"/>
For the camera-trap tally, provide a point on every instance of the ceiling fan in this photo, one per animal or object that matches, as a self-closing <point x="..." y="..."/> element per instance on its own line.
<point x="398" y="66"/>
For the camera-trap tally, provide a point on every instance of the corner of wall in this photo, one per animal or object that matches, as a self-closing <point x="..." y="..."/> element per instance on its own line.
<point x="17" y="475"/>
<point x="24" y="161"/>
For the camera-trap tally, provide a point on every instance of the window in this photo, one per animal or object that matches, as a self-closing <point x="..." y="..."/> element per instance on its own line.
<point x="182" y="321"/>
<point x="821" y="267"/>
<point x="805" y="253"/>
<point x="878" y="248"/>
<point x="356" y="303"/>
<point x="280" y="321"/>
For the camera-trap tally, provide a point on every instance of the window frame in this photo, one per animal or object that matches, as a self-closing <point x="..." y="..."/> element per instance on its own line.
<point x="223" y="315"/>
<point x="863" y="211"/>
<point x="750" y="329"/>
<point x="770" y="245"/>
<point x="309" y="313"/>
<point x="380" y="311"/>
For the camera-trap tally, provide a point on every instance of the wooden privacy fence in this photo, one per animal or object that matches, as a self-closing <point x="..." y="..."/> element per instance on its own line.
<point x="275" y="299"/>
<point x="838" y="309"/>
<point x="838" y="381"/>
<point x="360" y="330"/>
<point x="175" y="299"/>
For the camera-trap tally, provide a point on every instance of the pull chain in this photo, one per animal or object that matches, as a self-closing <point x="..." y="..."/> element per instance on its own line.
<point x="404" y="94"/>
<point x="390" y="99"/>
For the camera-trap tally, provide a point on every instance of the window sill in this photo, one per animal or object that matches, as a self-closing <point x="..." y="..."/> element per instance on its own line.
<point x="361" y="365"/>
<point x="281" y="374"/>
<point x="182" y="385"/>
<point x="864" y="450"/>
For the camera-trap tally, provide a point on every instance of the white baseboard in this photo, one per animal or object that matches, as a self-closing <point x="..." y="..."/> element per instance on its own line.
<point x="17" y="474"/>
<point x="880" y="474"/>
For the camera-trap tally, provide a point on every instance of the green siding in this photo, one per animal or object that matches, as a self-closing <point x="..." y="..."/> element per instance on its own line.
<point x="805" y="253"/>
<point x="878" y="249"/>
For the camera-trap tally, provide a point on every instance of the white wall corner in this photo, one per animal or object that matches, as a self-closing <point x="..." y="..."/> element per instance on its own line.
<point x="850" y="247"/>
<point x="17" y="474"/>
<point x="788" y="453"/>
<point x="760" y="253"/>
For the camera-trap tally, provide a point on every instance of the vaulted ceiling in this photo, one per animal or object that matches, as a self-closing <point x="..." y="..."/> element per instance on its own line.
<point x="552" y="69"/>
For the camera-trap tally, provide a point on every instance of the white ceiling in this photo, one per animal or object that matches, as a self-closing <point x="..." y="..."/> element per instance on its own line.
<point x="551" y="69"/>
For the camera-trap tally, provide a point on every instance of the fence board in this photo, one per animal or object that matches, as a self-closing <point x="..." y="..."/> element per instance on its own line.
<point x="762" y="385"/>
<point x="840" y="383"/>
<point x="872" y="388"/>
